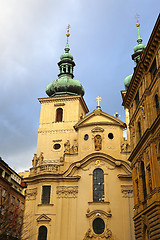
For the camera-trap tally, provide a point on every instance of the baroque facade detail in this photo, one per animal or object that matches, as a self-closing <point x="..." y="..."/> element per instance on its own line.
<point x="67" y="191"/>
<point x="31" y="194"/>
<point x="90" y="235"/>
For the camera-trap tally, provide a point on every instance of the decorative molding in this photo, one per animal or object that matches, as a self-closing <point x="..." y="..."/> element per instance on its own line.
<point x="58" y="140"/>
<point x="97" y="129"/>
<point x="43" y="218"/>
<point x="31" y="194"/>
<point x="59" y="104"/>
<point x="67" y="191"/>
<point x="98" y="213"/>
<point x="57" y="131"/>
<point x="127" y="191"/>
<point x="90" y="235"/>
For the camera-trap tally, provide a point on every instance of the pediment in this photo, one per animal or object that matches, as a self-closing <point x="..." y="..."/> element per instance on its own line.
<point x="43" y="218"/>
<point x="98" y="117"/>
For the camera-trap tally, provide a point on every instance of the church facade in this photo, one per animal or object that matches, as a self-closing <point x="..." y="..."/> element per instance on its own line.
<point x="80" y="185"/>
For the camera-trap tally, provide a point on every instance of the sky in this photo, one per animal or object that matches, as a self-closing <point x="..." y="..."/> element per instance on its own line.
<point x="32" y="38"/>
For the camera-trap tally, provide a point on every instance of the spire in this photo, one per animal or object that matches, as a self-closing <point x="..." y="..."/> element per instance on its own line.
<point x="139" y="47"/>
<point x="67" y="45"/>
<point x="136" y="55"/>
<point x="65" y="84"/>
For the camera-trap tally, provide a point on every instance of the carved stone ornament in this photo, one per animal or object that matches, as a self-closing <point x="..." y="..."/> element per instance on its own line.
<point x="67" y="191"/>
<point x="91" y="235"/>
<point x="127" y="191"/>
<point x="31" y="194"/>
<point x="71" y="150"/>
<point x="97" y="129"/>
<point x="98" y="142"/>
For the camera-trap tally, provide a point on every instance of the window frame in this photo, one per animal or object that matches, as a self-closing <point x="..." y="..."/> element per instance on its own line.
<point x="98" y="185"/>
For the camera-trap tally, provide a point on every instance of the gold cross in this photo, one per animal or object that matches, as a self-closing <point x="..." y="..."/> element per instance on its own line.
<point x="137" y="17"/>
<point x="98" y="99"/>
<point x="68" y="27"/>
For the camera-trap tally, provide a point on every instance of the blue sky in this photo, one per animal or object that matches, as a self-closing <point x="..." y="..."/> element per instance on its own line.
<point x="32" y="38"/>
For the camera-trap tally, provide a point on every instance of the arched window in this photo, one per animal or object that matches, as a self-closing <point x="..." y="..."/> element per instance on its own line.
<point x="143" y="180"/>
<point x="59" y="115"/>
<point x="98" y="185"/>
<point x="42" y="234"/>
<point x="157" y="104"/>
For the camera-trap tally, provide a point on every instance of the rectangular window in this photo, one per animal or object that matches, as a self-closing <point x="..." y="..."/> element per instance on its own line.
<point x="18" y="202"/>
<point x="12" y="200"/>
<point x="137" y="99"/>
<point x="46" y="190"/>
<point x="22" y="206"/>
<point x="153" y="69"/>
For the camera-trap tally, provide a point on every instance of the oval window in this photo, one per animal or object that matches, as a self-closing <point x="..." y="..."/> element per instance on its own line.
<point x="110" y="136"/>
<point x="86" y="137"/>
<point x="56" y="146"/>
<point x="98" y="225"/>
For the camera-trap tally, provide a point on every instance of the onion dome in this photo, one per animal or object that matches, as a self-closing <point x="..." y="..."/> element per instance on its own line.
<point x="138" y="48"/>
<point x="136" y="55"/>
<point x="65" y="85"/>
<point x="127" y="81"/>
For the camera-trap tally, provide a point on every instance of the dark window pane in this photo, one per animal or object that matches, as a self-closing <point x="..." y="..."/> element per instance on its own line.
<point x="59" y="115"/>
<point x="157" y="104"/>
<point x="46" y="194"/>
<point x="98" y="185"/>
<point x="98" y="225"/>
<point x="42" y="235"/>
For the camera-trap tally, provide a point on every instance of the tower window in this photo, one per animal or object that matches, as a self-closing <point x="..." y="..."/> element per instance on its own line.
<point x="56" y="146"/>
<point x="59" y="115"/>
<point x="98" y="225"/>
<point x="42" y="234"/>
<point x="98" y="185"/>
<point x="46" y="190"/>
<point x="157" y="104"/>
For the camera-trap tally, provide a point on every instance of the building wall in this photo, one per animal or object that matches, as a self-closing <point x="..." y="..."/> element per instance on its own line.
<point x="143" y="101"/>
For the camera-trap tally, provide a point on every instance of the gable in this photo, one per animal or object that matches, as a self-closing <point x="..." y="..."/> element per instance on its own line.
<point x="43" y="218"/>
<point x="98" y="117"/>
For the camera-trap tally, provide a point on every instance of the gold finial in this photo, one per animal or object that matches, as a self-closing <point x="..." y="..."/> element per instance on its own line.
<point x="137" y="17"/>
<point x="68" y="27"/>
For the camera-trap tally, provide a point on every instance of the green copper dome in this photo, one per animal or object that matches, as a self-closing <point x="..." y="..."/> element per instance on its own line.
<point x="127" y="81"/>
<point x="65" y="85"/>
<point x="138" y="48"/>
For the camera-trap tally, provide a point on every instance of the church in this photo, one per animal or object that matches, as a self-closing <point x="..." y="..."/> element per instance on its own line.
<point x="80" y="184"/>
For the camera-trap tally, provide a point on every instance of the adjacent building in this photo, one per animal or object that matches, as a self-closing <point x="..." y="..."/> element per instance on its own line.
<point x="142" y="100"/>
<point x="12" y="191"/>
<point x="79" y="186"/>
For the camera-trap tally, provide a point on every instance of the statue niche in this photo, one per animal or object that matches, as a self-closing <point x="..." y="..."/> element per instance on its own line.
<point x="98" y="142"/>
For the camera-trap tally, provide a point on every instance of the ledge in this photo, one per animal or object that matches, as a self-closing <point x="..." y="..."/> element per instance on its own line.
<point x="45" y="205"/>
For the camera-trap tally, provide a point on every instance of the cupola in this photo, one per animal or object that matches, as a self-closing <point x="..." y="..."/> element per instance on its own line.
<point x="65" y="85"/>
